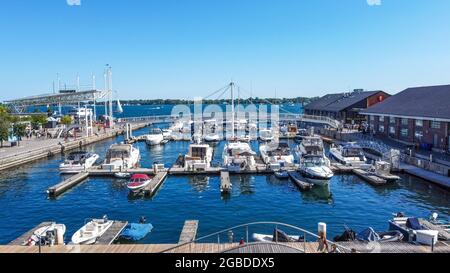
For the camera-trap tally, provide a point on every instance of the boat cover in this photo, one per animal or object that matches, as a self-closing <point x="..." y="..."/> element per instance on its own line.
<point x="368" y="235"/>
<point x="136" y="232"/>
<point x="413" y="223"/>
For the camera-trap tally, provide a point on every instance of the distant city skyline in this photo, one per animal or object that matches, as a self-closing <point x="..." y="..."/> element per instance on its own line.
<point x="185" y="49"/>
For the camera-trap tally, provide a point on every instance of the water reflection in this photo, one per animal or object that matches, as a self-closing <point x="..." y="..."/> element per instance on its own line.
<point x="320" y="194"/>
<point x="199" y="183"/>
<point x="244" y="184"/>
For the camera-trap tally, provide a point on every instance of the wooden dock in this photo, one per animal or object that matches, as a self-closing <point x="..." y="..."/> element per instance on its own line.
<point x="189" y="232"/>
<point x="67" y="184"/>
<point x="370" y="178"/>
<point x="299" y="181"/>
<point x="24" y="238"/>
<point x="444" y="230"/>
<point x="157" y="180"/>
<point x="225" y="182"/>
<point x="341" y="169"/>
<point x="112" y="234"/>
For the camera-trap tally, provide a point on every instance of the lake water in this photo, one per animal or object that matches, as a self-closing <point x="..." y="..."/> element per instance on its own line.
<point x="349" y="201"/>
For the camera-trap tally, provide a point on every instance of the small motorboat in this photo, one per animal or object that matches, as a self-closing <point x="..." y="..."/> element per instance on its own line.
<point x="78" y="162"/>
<point x="277" y="236"/>
<point x="122" y="175"/>
<point x="138" y="182"/>
<point x="91" y="231"/>
<point x="369" y="235"/>
<point x="47" y="235"/>
<point x="408" y="226"/>
<point x="212" y="138"/>
<point x="282" y="175"/>
<point x="136" y="232"/>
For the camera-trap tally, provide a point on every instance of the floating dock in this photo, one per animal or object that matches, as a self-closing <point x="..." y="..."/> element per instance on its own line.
<point x="370" y="178"/>
<point x="299" y="181"/>
<point x="20" y="241"/>
<point x="67" y="184"/>
<point x="157" y="180"/>
<point x="112" y="234"/>
<point x="225" y="182"/>
<point x="189" y="232"/>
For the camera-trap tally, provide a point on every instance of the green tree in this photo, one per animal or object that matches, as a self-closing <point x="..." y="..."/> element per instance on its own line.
<point x="66" y="120"/>
<point x="38" y="120"/>
<point x="19" y="131"/>
<point x="5" y="125"/>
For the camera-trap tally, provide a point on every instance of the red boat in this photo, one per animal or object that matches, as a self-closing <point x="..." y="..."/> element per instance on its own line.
<point x="138" y="182"/>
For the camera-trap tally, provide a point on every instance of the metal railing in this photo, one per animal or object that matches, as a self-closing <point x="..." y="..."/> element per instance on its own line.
<point x="302" y="231"/>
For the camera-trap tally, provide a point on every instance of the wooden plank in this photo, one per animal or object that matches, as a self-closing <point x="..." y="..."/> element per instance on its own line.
<point x="157" y="180"/>
<point x="24" y="238"/>
<point x="67" y="184"/>
<point x="371" y="179"/>
<point x="299" y="182"/>
<point x="112" y="233"/>
<point x="189" y="232"/>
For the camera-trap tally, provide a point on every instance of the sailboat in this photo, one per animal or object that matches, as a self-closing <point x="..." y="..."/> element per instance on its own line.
<point x="119" y="107"/>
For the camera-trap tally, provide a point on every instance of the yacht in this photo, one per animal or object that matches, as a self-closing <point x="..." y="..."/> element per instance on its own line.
<point x="238" y="156"/>
<point x="199" y="157"/>
<point x="276" y="156"/>
<point x="155" y="137"/>
<point x="349" y="154"/>
<point x="310" y="145"/>
<point x="78" y="162"/>
<point x="121" y="156"/>
<point x="266" y="135"/>
<point x="316" y="169"/>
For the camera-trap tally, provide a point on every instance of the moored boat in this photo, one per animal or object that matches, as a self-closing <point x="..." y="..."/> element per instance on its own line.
<point x="276" y="156"/>
<point x="316" y="170"/>
<point x="91" y="231"/>
<point x="238" y="156"/>
<point x="121" y="156"/>
<point x="155" y="137"/>
<point x="138" y="182"/>
<point x="349" y="154"/>
<point x="78" y="162"/>
<point x="47" y="235"/>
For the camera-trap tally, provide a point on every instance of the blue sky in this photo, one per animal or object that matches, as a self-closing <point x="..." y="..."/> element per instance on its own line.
<point x="187" y="48"/>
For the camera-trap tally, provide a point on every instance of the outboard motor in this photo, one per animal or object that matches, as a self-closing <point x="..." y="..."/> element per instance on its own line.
<point x="143" y="220"/>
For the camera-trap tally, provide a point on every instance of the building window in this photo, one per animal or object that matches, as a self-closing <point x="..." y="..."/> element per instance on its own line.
<point x="404" y="132"/>
<point x="435" y="125"/>
<point x="404" y="121"/>
<point x="392" y="130"/>
<point x="381" y="118"/>
<point x="392" y="120"/>
<point x="381" y="128"/>
<point x="419" y="123"/>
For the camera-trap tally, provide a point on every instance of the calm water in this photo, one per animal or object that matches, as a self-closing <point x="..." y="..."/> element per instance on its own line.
<point x="255" y="198"/>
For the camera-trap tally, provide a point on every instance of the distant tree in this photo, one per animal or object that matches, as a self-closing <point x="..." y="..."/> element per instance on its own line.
<point x="66" y="120"/>
<point x="37" y="121"/>
<point x="19" y="131"/>
<point x="5" y="125"/>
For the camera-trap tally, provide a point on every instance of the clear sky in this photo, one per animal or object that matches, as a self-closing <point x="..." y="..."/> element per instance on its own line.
<point x="187" y="48"/>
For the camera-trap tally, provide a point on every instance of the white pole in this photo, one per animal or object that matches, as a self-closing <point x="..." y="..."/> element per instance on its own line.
<point x="232" y="110"/>
<point x="110" y="97"/>
<point x="106" y="90"/>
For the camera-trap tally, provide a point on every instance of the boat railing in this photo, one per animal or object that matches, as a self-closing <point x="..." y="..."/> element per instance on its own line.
<point x="301" y="246"/>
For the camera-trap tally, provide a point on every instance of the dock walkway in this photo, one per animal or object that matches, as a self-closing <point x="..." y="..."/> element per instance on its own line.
<point x="189" y="232"/>
<point x="157" y="180"/>
<point x="112" y="233"/>
<point x="67" y="184"/>
<point x="24" y="238"/>
<point x="370" y="178"/>
<point x="225" y="182"/>
<point x="435" y="178"/>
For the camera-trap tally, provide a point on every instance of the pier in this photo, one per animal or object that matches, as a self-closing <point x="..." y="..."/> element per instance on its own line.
<point x="299" y="181"/>
<point x="157" y="180"/>
<point x="20" y="241"/>
<point x="370" y="178"/>
<point x="67" y="184"/>
<point x="225" y="182"/>
<point x="189" y="232"/>
<point x="112" y="234"/>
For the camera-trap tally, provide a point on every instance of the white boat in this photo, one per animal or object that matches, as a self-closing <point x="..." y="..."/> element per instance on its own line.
<point x="276" y="155"/>
<point x="121" y="156"/>
<point x="138" y="182"/>
<point x="155" y="137"/>
<point x="48" y="235"/>
<point x="122" y="175"/>
<point x="78" y="162"/>
<point x="316" y="169"/>
<point x="167" y="134"/>
<point x="310" y="145"/>
<point x="199" y="157"/>
<point x="277" y="236"/>
<point x="212" y="137"/>
<point x="238" y="156"/>
<point x="91" y="231"/>
<point x="266" y="135"/>
<point x="349" y="154"/>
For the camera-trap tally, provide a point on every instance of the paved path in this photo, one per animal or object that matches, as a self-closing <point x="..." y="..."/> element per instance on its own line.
<point x="427" y="175"/>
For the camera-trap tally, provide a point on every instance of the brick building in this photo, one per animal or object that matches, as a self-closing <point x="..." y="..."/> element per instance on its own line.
<point x="419" y="115"/>
<point x="345" y="107"/>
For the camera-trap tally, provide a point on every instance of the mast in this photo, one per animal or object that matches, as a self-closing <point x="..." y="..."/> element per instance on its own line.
<point x="232" y="109"/>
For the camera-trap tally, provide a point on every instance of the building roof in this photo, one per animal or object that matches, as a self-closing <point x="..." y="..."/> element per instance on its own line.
<point x="421" y="102"/>
<point x="339" y="102"/>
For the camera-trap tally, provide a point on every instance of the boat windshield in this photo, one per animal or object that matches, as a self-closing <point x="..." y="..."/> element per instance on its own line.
<point x="352" y="152"/>
<point x="314" y="162"/>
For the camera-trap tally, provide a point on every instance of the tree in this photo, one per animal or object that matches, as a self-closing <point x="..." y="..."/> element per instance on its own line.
<point x="38" y="120"/>
<point x="5" y="125"/>
<point x="66" y="120"/>
<point x="19" y="131"/>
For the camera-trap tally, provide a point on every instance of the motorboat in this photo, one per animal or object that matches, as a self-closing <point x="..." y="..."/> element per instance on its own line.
<point x="370" y="235"/>
<point x="122" y="175"/>
<point x="238" y="156"/>
<point x="47" y="235"/>
<point x="316" y="169"/>
<point x="155" y="137"/>
<point x="199" y="157"/>
<point x="310" y="145"/>
<point x="276" y="155"/>
<point x="278" y="236"/>
<point x="266" y="135"/>
<point x="138" y="182"/>
<point x="121" y="157"/>
<point x="167" y="134"/>
<point x="78" y="162"/>
<point x="91" y="231"/>
<point x="349" y="154"/>
<point x="282" y="175"/>
<point x="213" y="137"/>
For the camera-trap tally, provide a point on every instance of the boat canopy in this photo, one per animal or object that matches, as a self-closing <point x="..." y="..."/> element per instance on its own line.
<point x="368" y="235"/>
<point x="140" y="176"/>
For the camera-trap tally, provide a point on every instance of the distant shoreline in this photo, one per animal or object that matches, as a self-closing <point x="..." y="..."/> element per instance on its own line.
<point x="299" y="100"/>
